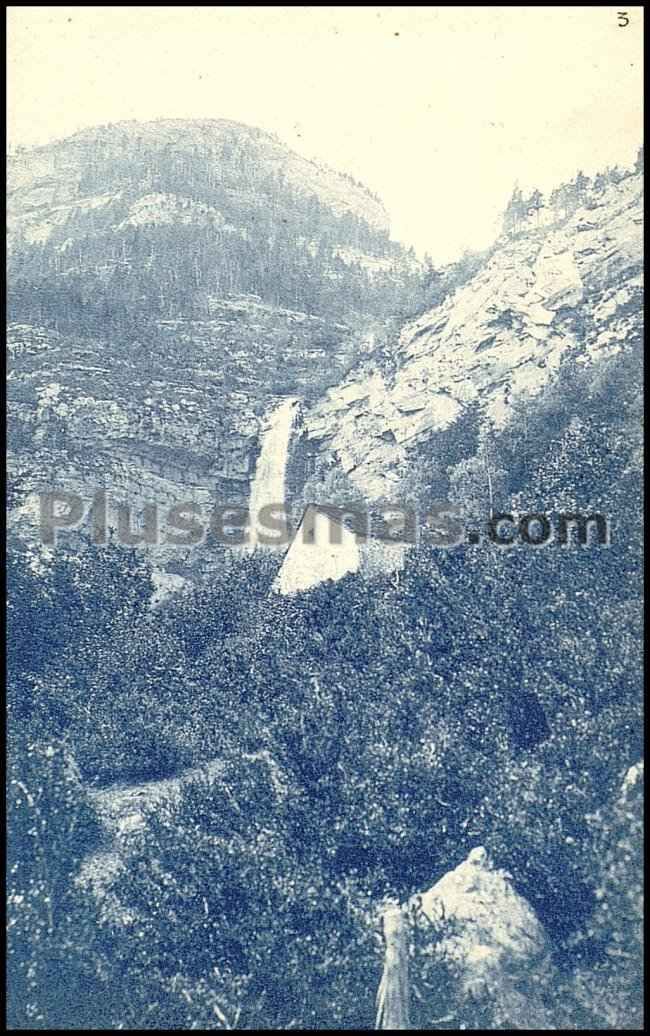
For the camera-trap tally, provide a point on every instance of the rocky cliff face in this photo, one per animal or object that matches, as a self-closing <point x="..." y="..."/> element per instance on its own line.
<point x="170" y="284"/>
<point x="570" y="287"/>
<point x="175" y="423"/>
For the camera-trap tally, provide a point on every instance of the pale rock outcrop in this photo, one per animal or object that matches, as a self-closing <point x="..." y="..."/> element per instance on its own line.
<point x="574" y="285"/>
<point x="320" y="550"/>
<point x="557" y="278"/>
<point x="491" y="939"/>
<point x="632" y="783"/>
<point x="326" y="547"/>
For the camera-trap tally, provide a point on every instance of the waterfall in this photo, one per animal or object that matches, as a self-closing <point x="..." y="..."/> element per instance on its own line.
<point x="269" y="482"/>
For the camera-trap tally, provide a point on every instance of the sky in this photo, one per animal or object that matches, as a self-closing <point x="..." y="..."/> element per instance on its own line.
<point x="437" y="109"/>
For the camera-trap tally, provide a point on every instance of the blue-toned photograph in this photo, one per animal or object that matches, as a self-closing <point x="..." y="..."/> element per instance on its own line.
<point x="324" y="518"/>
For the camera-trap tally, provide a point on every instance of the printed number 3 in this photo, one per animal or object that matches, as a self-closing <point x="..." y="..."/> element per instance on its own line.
<point x="623" y="19"/>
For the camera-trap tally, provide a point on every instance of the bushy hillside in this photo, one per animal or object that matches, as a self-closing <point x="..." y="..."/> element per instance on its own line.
<point x="370" y="735"/>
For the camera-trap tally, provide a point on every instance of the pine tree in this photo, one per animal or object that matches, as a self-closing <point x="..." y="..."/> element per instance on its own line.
<point x="571" y="198"/>
<point x="638" y="165"/>
<point x="581" y="186"/>
<point x="556" y="201"/>
<point x="431" y="276"/>
<point x="535" y="203"/>
<point x="515" y="212"/>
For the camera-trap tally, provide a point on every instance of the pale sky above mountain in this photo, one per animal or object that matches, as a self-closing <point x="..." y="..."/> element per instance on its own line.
<point x="438" y="109"/>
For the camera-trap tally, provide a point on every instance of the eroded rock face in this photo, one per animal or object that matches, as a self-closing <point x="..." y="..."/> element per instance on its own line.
<point x="492" y="940"/>
<point x="571" y="286"/>
<point x="181" y="423"/>
<point x="324" y="548"/>
<point x="315" y="555"/>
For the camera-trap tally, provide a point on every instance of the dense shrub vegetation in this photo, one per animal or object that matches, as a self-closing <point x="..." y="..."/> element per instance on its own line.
<point x="370" y="735"/>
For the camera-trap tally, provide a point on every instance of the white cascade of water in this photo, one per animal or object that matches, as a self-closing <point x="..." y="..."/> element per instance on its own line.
<point x="269" y="481"/>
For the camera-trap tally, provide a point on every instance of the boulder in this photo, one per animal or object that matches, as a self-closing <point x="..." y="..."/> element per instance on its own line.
<point x="491" y="940"/>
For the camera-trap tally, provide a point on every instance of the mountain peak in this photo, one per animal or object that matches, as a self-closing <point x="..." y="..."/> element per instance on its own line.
<point x="219" y="142"/>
